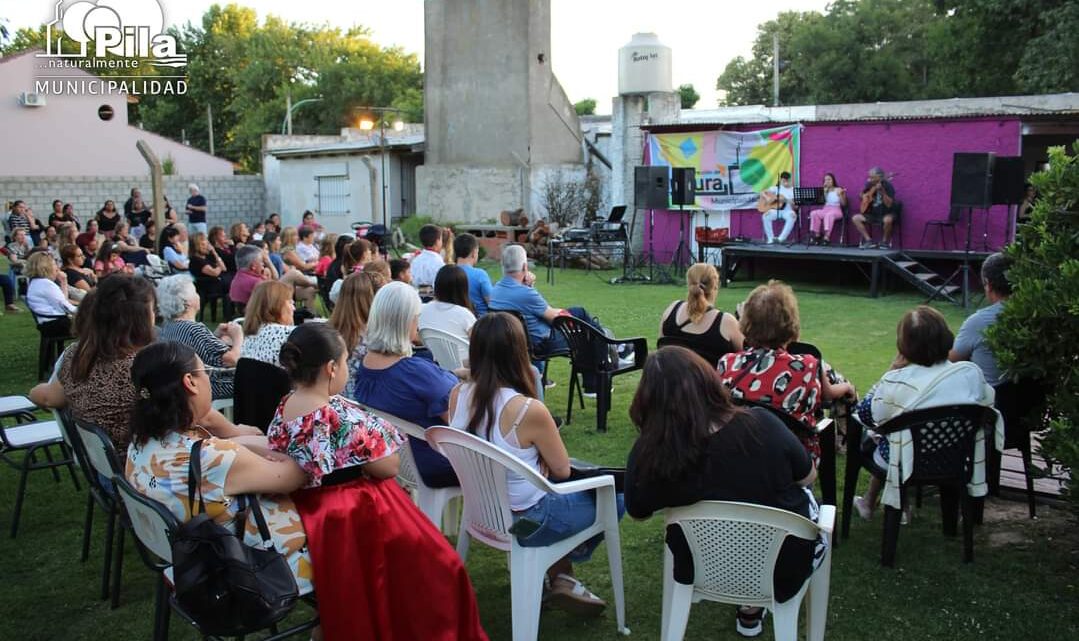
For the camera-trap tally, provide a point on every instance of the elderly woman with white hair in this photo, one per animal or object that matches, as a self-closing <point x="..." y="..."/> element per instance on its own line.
<point x="391" y="379"/>
<point x="178" y="302"/>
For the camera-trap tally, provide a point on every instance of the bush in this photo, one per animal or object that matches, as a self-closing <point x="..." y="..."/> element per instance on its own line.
<point x="1036" y="336"/>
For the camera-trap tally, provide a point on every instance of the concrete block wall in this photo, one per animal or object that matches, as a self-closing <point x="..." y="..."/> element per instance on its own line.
<point x="231" y="198"/>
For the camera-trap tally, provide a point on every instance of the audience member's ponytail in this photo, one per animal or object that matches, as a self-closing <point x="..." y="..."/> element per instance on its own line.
<point x="308" y="348"/>
<point x="701" y="281"/>
<point x="161" y="401"/>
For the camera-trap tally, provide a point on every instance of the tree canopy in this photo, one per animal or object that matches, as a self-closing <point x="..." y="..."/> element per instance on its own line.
<point x="688" y="95"/>
<point x="586" y="107"/>
<point x="245" y="70"/>
<point x="869" y="50"/>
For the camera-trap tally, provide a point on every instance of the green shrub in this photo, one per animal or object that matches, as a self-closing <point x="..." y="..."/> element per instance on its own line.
<point x="1037" y="334"/>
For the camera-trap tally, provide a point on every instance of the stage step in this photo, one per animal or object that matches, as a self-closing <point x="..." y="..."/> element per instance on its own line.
<point x="922" y="278"/>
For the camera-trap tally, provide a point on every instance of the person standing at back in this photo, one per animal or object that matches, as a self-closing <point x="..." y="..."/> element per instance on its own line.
<point x="467" y="250"/>
<point x="196" y="209"/>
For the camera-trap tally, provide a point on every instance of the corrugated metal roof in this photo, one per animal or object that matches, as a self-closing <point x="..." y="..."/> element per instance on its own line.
<point x="363" y="145"/>
<point x="1040" y="105"/>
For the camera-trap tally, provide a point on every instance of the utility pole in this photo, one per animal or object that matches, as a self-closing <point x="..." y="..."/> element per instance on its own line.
<point x="210" y="125"/>
<point x="775" y="69"/>
<point x="288" y="111"/>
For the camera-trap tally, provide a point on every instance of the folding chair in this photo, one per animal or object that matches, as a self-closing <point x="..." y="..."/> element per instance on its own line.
<point x="101" y="464"/>
<point x="432" y="501"/>
<point x="32" y="437"/>
<point x="487" y="517"/>
<point x="734" y="548"/>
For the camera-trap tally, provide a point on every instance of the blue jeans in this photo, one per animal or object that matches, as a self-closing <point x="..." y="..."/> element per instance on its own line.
<point x="561" y="516"/>
<point x="7" y="283"/>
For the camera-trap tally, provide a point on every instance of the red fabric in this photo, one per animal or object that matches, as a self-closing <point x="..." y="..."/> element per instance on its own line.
<point x="382" y="570"/>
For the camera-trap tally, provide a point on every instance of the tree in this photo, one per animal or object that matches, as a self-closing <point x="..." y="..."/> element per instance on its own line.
<point x="586" y="107"/>
<point x="688" y="95"/>
<point x="869" y="50"/>
<point x="1036" y="334"/>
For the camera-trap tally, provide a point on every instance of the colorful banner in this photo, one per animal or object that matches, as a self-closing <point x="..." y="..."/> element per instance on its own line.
<point x="733" y="167"/>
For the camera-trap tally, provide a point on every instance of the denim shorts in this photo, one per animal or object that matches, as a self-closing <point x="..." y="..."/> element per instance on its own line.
<point x="561" y="516"/>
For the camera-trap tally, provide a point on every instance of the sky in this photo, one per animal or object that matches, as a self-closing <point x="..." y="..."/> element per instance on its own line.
<point x="704" y="35"/>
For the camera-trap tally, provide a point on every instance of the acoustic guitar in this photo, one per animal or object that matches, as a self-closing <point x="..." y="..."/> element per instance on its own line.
<point x="871" y="193"/>
<point x="769" y="201"/>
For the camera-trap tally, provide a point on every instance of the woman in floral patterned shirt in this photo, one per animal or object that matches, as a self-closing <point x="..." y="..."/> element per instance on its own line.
<point x="373" y="551"/>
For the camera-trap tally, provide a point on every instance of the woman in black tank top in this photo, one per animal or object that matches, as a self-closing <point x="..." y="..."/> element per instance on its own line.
<point x="722" y="335"/>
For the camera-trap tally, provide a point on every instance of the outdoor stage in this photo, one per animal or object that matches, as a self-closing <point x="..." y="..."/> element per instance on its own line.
<point x="873" y="263"/>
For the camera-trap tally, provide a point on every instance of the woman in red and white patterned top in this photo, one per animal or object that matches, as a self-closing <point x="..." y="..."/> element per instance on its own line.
<point x="355" y="514"/>
<point x="766" y="373"/>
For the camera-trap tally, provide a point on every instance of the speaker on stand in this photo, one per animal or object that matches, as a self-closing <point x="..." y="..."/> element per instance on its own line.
<point x="683" y="192"/>
<point x="972" y="188"/>
<point x="1008" y="189"/>
<point x="651" y="189"/>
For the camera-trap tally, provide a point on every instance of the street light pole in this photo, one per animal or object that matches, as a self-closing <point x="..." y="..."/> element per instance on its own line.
<point x="367" y="124"/>
<point x="286" y="124"/>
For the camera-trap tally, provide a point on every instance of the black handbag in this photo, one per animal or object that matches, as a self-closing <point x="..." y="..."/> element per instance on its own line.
<point x="579" y="469"/>
<point x="228" y="588"/>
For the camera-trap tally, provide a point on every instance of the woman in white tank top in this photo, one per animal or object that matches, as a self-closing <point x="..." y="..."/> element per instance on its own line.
<point x="500" y="404"/>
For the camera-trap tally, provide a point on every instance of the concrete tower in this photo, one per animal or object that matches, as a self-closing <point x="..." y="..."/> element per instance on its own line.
<point x="497" y="120"/>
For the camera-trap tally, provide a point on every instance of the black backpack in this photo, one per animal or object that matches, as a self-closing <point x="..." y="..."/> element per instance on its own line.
<point x="226" y="586"/>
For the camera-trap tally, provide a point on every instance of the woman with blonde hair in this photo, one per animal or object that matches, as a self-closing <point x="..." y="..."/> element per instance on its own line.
<point x="268" y="321"/>
<point x="695" y="323"/>
<point x="350" y="315"/>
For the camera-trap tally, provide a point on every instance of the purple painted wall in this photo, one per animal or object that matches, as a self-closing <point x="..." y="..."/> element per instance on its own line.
<point x="918" y="152"/>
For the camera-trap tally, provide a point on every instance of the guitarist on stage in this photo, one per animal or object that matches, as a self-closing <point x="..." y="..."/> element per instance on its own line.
<point x="878" y="205"/>
<point x="775" y="203"/>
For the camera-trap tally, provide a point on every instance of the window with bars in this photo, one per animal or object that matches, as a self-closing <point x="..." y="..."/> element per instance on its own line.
<point x="332" y="195"/>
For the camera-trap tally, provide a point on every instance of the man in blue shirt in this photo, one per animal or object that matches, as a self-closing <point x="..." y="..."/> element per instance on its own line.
<point x="467" y="251"/>
<point x="970" y="343"/>
<point x="515" y="292"/>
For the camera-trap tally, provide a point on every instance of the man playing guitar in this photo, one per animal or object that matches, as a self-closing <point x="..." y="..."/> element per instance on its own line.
<point x="775" y="203"/>
<point x="878" y="205"/>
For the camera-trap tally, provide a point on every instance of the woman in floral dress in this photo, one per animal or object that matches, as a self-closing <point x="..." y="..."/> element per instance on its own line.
<point x="404" y="581"/>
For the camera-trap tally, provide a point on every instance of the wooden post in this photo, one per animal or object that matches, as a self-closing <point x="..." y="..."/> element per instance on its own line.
<point x="157" y="180"/>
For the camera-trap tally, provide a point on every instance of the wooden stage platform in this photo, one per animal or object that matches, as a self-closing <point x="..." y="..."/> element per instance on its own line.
<point x="733" y="256"/>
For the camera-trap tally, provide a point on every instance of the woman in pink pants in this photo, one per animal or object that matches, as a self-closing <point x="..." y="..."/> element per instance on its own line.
<point x="821" y="220"/>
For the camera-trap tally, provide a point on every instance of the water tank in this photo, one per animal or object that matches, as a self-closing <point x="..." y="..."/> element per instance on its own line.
<point x="644" y="66"/>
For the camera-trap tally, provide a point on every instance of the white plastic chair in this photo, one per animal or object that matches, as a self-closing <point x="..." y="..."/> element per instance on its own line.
<point x="734" y="548"/>
<point x="432" y="501"/>
<point x="481" y="468"/>
<point x="223" y="405"/>
<point x="445" y="347"/>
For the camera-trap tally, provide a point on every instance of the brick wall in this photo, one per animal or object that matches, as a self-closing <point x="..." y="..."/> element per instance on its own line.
<point x="230" y="198"/>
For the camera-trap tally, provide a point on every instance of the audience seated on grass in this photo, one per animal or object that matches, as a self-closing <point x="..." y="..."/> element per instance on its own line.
<point x="208" y="268"/>
<point x="400" y="271"/>
<point x="380" y="271"/>
<point x="765" y="372"/>
<point x="129" y="247"/>
<point x="351" y="314"/>
<point x="920" y="377"/>
<point x="372" y="551"/>
<point x="47" y="295"/>
<point x="78" y="276"/>
<point x="500" y="404"/>
<point x="18" y="250"/>
<point x="390" y="379"/>
<point x="467" y="251"/>
<point x="696" y="445"/>
<point x="333" y="272"/>
<point x="451" y="310"/>
<point x="110" y="261"/>
<point x="696" y="323"/>
<point x="179" y="304"/>
<point x="268" y="320"/>
<point x="326" y="254"/>
<point x="169" y="416"/>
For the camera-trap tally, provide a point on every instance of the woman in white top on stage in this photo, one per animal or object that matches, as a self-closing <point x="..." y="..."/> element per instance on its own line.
<point x="821" y="220"/>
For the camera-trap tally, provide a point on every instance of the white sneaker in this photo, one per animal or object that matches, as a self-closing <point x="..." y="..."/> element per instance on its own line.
<point x="864" y="510"/>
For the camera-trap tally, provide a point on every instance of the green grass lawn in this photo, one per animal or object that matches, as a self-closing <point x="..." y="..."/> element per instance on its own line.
<point x="1022" y="584"/>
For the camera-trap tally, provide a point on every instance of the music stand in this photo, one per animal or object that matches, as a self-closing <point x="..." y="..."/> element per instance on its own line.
<point x="804" y="196"/>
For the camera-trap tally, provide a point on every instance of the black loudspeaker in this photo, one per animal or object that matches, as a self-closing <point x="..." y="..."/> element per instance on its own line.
<point x="651" y="187"/>
<point x="1008" y="180"/>
<point x="972" y="180"/>
<point x="684" y="186"/>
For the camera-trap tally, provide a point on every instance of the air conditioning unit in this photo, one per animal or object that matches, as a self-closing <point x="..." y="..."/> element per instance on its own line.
<point x="28" y="99"/>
